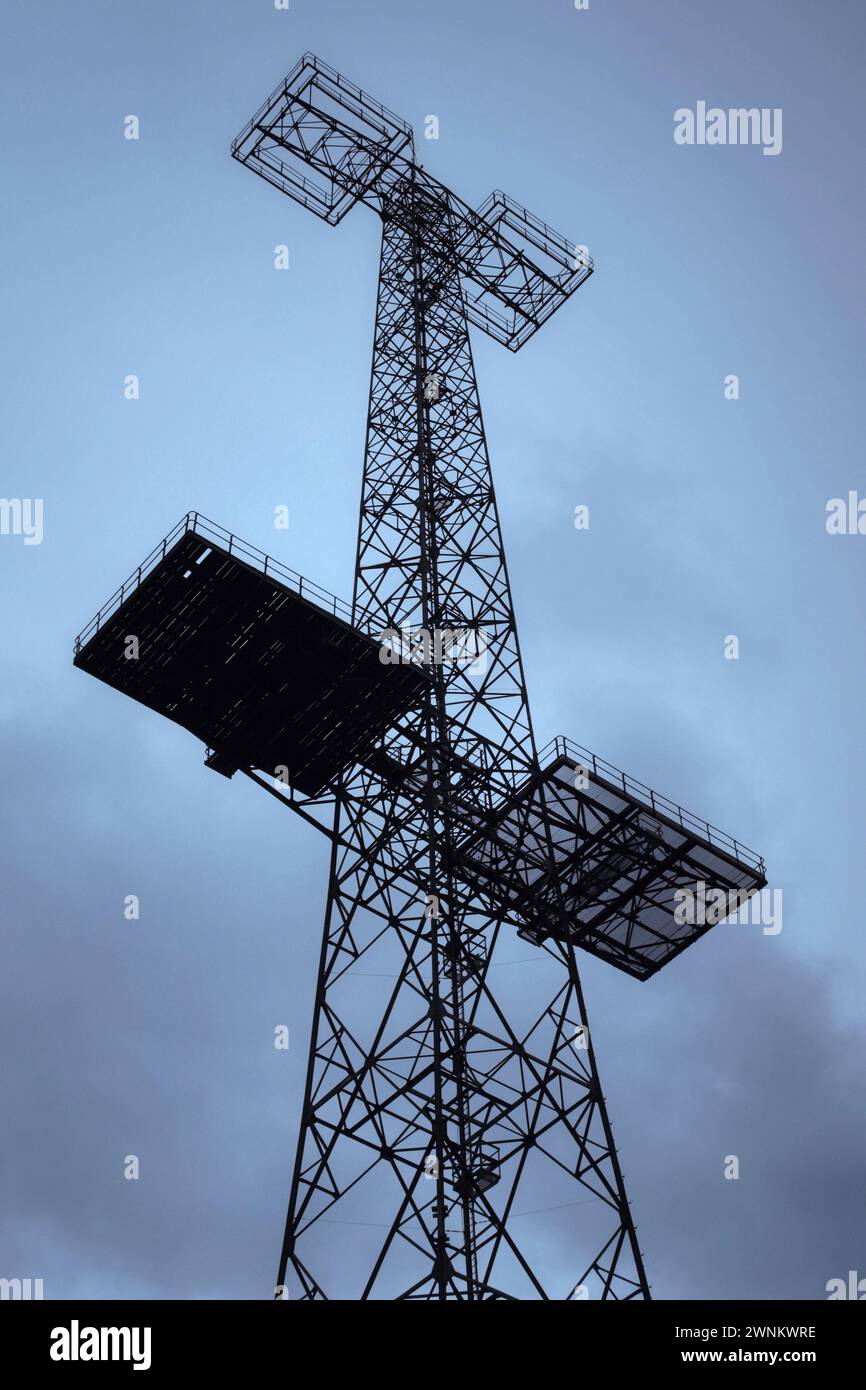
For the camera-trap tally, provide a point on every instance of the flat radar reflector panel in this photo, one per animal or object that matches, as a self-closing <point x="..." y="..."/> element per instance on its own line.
<point x="261" y="665"/>
<point x="587" y="855"/>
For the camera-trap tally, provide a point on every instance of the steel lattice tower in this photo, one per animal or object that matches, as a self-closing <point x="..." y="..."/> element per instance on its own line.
<point x="440" y="1072"/>
<point x="436" y="1106"/>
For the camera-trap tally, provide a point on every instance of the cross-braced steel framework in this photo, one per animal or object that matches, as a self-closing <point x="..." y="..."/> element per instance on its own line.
<point x="423" y="1113"/>
<point x="454" y="1140"/>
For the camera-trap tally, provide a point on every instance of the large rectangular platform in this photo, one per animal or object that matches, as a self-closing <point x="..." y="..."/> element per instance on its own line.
<point x="587" y="855"/>
<point x="261" y="665"/>
<point x="269" y="672"/>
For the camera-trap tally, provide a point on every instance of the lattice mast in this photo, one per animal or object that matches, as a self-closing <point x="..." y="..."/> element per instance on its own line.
<point x="451" y="1103"/>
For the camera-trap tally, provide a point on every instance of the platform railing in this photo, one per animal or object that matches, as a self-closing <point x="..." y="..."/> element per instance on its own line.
<point x="318" y="66"/>
<point x="209" y="531"/>
<point x="565" y="747"/>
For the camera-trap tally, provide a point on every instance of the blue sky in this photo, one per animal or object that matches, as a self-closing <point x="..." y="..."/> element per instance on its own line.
<point x="155" y="257"/>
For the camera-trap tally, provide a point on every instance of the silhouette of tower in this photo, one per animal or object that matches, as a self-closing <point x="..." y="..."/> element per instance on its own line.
<point x="454" y="1137"/>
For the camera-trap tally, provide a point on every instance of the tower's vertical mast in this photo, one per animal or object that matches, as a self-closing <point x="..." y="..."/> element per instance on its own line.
<point x="421" y="330"/>
<point x="425" y="1089"/>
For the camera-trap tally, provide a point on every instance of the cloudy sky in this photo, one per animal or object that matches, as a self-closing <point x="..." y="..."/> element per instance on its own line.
<point x="155" y="257"/>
